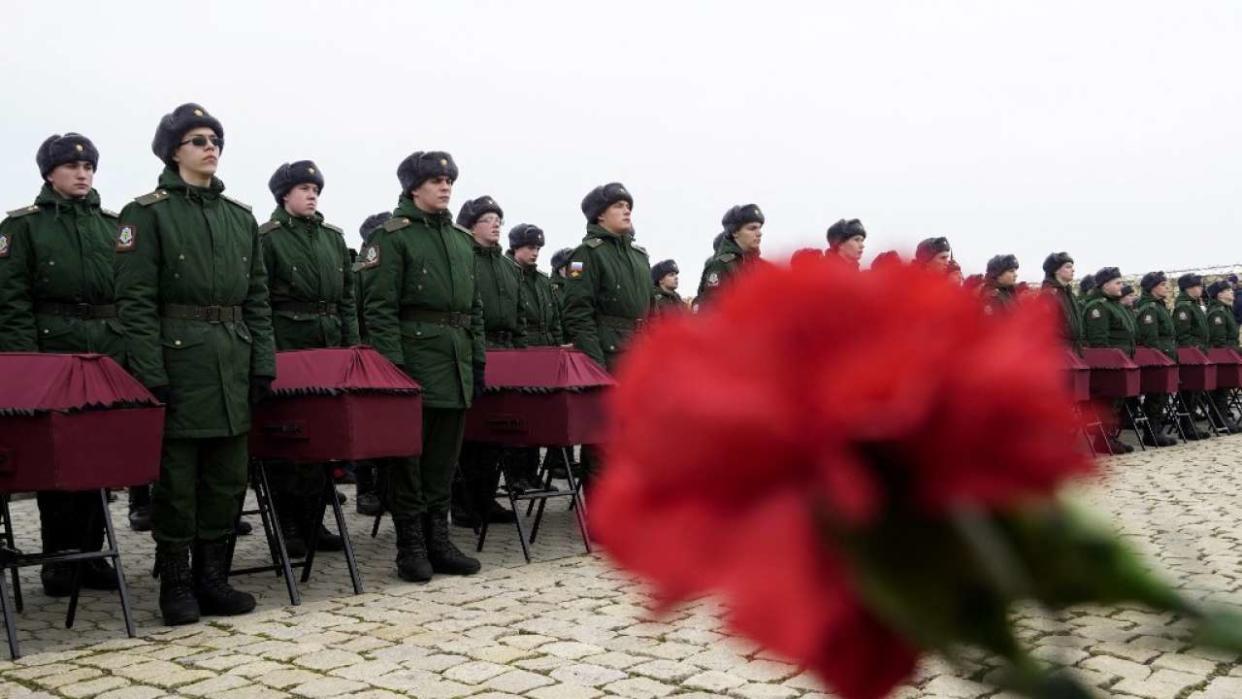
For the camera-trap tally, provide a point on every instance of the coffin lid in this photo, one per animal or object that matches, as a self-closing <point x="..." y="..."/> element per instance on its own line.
<point x="1191" y="355"/>
<point x="1223" y="355"/>
<point x="34" y="383"/>
<point x="1149" y="356"/>
<point x="1107" y="358"/>
<point x="333" y="371"/>
<point x="543" y="370"/>
<point x="1073" y="362"/>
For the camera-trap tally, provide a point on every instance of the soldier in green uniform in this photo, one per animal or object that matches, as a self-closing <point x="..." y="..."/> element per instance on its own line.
<point x="1154" y="329"/>
<point x="1222" y="332"/>
<point x="367" y="499"/>
<point x="608" y="291"/>
<point x="1189" y="317"/>
<point x="934" y="253"/>
<point x="846" y="242"/>
<point x="560" y="273"/>
<point x="423" y="313"/>
<point x="998" y="287"/>
<point x="1107" y="324"/>
<point x="191" y="291"/>
<point x="312" y="294"/>
<point x="739" y="248"/>
<point x="1058" y="283"/>
<point x="664" y="276"/>
<point x="499" y="283"/>
<point x="56" y="296"/>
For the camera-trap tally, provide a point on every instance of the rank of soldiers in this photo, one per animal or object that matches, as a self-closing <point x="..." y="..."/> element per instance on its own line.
<point x="193" y="296"/>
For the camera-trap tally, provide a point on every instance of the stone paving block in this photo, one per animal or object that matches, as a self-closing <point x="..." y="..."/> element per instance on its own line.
<point x="327" y="687"/>
<point x="1220" y="688"/>
<point x="288" y="677"/>
<point x="760" y="690"/>
<point x="1116" y="667"/>
<point x="714" y="681"/>
<point x="957" y="687"/>
<point x="570" y="650"/>
<point x="475" y="672"/>
<point x="62" y="679"/>
<point x="664" y="670"/>
<point x="588" y="675"/>
<point x="564" y="691"/>
<point x="517" y="682"/>
<point x="1161" y="684"/>
<point x="215" y="685"/>
<point x="327" y="660"/>
<point x="135" y="691"/>
<point x="639" y="688"/>
<point x="93" y="687"/>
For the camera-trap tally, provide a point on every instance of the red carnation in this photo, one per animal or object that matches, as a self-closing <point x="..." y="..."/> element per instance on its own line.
<point x="823" y="393"/>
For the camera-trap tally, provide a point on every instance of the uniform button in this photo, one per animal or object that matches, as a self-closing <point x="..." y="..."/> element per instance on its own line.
<point x="416" y="332"/>
<point x="180" y="257"/>
<point x="176" y="275"/>
<point x="420" y="287"/>
<point x="51" y="263"/>
<point x="45" y="331"/>
<point x="244" y="259"/>
<point x="295" y="269"/>
<point x="177" y="342"/>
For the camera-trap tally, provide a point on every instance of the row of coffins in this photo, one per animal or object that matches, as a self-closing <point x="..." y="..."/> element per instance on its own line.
<point x="81" y="423"/>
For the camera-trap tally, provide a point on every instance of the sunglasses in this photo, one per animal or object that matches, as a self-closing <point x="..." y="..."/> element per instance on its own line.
<point x="201" y="141"/>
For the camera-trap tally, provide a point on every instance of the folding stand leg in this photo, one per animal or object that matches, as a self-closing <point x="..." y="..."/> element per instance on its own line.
<point x="579" y="506"/>
<point x="1173" y="412"/>
<point x="1214" y="418"/>
<point x="1138" y="422"/>
<point x="76" y="586"/>
<point x="350" y="561"/>
<point x="271" y="527"/>
<point x="10" y="621"/>
<point x="122" y="589"/>
<point x="12" y="545"/>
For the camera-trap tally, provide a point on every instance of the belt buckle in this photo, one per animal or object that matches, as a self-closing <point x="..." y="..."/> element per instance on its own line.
<point x="83" y="310"/>
<point x="211" y="314"/>
<point x="323" y="308"/>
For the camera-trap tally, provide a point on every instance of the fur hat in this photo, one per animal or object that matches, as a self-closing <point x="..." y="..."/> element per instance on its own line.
<point x="58" y="150"/>
<point x="602" y="197"/>
<point x="290" y="175"/>
<point x="1056" y="261"/>
<point x="1187" y="281"/>
<point x="474" y="210"/>
<point x="843" y="230"/>
<point x="1152" y="280"/>
<point x="663" y="269"/>
<point x="739" y="216"/>
<point x="928" y="248"/>
<point x="1000" y="264"/>
<point x="421" y="166"/>
<point x="525" y="234"/>
<point x="175" y="125"/>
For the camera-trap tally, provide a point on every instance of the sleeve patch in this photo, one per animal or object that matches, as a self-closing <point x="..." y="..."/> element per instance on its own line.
<point x="370" y="257"/>
<point x="713" y="279"/>
<point x="1181" y="315"/>
<point x="1095" y="313"/>
<point x="1219" y="320"/>
<point x="126" y="237"/>
<point x="575" y="269"/>
<point x="1148" y="319"/>
<point x="5" y="246"/>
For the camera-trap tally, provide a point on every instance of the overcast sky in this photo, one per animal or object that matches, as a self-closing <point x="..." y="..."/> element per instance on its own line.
<point x="1112" y="130"/>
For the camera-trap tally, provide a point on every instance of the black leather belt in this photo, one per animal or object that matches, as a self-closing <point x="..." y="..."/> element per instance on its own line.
<point x="85" y="311"/>
<point x="209" y="314"/>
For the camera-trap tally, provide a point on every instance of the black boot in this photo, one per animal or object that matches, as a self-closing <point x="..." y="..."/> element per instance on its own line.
<point x="1191" y="430"/>
<point x="445" y="557"/>
<point x="367" y="501"/>
<point x="57" y="579"/>
<point x="412" y="562"/>
<point x="368" y="505"/>
<point x="97" y="574"/>
<point x="140" y="508"/>
<point x="312" y="521"/>
<point x="177" y="601"/>
<point x="211" y="582"/>
<point x="289" y="516"/>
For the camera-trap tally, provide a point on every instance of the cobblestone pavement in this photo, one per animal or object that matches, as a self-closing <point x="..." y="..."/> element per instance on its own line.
<point x="569" y="627"/>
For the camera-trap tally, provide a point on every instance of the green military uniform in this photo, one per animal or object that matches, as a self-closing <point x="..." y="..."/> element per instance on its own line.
<point x="56" y="295"/>
<point x="1154" y="326"/>
<point x="1190" y="322"/>
<point x="540" y="307"/>
<point x="667" y="301"/>
<point x="1107" y="323"/>
<point x="1071" y="313"/>
<point x="499" y="282"/>
<point x="311" y="283"/>
<point x="607" y="295"/>
<point x="997" y="299"/>
<point x="1222" y="327"/>
<point x="728" y="261"/>
<point x="192" y="297"/>
<point x="423" y="313"/>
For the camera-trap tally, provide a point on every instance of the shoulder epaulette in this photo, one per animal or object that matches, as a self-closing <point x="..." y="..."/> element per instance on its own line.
<point x="331" y="227"/>
<point x="269" y="227"/>
<point x="151" y="197"/>
<point x="234" y="201"/>
<point x="396" y="223"/>
<point x="109" y="213"/>
<point x="24" y="211"/>
<point x="594" y="242"/>
<point x="640" y="248"/>
<point x="463" y="230"/>
<point x="726" y="257"/>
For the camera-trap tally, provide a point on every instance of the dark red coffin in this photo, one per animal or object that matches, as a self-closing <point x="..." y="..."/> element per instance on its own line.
<point x="1113" y="374"/>
<point x="1228" y="367"/>
<point x="1195" y="370"/>
<point x="75" y="422"/>
<point x="540" y="397"/>
<point x="338" y="405"/>
<point x="1079" y="376"/>
<point x="1157" y="372"/>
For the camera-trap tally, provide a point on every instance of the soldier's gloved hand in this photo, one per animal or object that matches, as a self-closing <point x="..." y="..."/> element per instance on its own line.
<point x="480" y="383"/>
<point x="162" y="393"/>
<point x="260" y="388"/>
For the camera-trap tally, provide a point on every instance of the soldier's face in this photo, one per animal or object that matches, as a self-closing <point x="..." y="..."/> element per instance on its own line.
<point x="670" y="281"/>
<point x="1112" y="288"/>
<point x="1226" y="296"/>
<point x="433" y="194"/>
<point x="940" y="261"/>
<point x="853" y="248"/>
<point x="200" y="160"/>
<point x="616" y="218"/>
<point x="1065" y="273"/>
<point x="1161" y="290"/>
<point x="303" y="200"/>
<point x="1007" y="278"/>
<point x="1195" y="292"/>
<point x="955" y="276"/>
<point x="527" y="255"/>
<point x="1128" y="300"/>
<point x="72" y="180"/>
<point x="487" y="230"/>
<point x="749" y="237"/>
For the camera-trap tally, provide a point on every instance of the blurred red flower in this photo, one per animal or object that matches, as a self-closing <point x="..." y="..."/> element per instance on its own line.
<point x="821" y="394"/>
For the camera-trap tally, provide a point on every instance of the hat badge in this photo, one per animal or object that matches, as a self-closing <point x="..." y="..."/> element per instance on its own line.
<point x="198" y="112"/>
<point x="310" y="170"/>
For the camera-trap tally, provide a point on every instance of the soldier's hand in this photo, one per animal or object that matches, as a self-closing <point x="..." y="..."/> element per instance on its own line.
<point x="260" y="388"/>
<point x="162" y="393"/>
<point x="480" y="380"/>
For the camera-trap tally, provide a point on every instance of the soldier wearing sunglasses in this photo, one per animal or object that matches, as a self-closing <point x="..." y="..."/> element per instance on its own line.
<point x="191" y="292"/>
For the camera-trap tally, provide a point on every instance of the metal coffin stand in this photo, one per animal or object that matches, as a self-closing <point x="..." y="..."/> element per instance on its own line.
<point x="1114" y="376"/>
<point x="328" y="405"/>
<point x="1159" y="375"/>
<point x="549" y="397"/>
<point x="1197" y="377"/>
<point x="96" y="429"/>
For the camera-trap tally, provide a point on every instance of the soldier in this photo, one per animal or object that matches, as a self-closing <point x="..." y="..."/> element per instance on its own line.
<point x="664" y="276"/>
<point x="1058" y="281"/>
<point x="312" y="295"/>
<point x="743" y="235"/>
<point x="498" y="281"/>
<point x="934" y="253"/>
<point x="367" y="500"/>
<point x="998" y="289"/>
<point x="1085" y="287"/>
<point x="1129" y="297"/>
<point x="954" y="272"/>
<point x="888" y="258"/>
<point x="1154" y="329"/>
<point x="540" y="307"/>
<point x="608" y="291"/>
<point x="560" y="273"/>
<point x="1222" y="332"/>
<point x="1189" y="318"/>
<point x="423" y="313"/>
<point x="846" y="242"/>
<point x="56" y="296"/>
<point x="191" y="291"/>
<point x="805" y="257"/>
<point x="1106" y="323"/>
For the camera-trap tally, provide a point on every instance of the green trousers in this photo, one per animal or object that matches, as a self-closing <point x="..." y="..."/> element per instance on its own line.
<point x="200" y="490"/>
<point x="295" y="480"/>
<point x="416" y="486"/>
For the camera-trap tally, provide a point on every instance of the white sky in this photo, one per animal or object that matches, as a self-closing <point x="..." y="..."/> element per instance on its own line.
<point x="1109" y="129"/>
